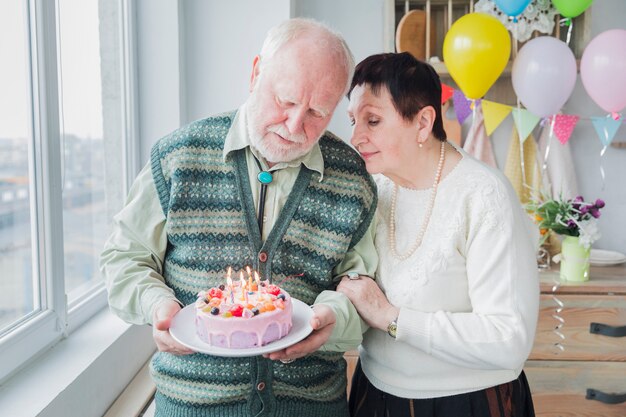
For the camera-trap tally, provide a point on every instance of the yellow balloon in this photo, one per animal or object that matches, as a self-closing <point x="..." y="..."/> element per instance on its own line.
<point x="475" y="50"/>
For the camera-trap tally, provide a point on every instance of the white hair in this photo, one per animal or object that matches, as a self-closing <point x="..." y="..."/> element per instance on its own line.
<point x="283" y="33"/>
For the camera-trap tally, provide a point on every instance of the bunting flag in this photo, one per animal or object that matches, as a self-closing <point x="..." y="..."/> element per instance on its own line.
<point x="446" y="92"/>
<point x="564" y="125"/>
<point x="525" y="122"/>
<point x="494" y="114"/>
<point x="606" y="128"/>
<point x="461" y="106"/>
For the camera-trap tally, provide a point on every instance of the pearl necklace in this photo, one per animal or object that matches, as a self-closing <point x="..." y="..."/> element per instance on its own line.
<point x="429" y="210"/>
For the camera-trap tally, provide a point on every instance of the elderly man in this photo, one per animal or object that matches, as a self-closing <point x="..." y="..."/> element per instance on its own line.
<point x="198" y="208"/>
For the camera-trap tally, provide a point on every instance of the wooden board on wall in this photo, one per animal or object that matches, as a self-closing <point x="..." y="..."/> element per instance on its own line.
<point x="559" y="387"/>
<point x="578" y="313"/>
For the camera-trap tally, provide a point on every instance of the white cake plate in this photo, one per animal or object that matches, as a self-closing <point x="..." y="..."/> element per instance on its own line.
<point x="183" y="330"/>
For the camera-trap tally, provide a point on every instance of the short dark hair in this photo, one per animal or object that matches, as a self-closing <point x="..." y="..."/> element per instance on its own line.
<point x="413" y="84"/>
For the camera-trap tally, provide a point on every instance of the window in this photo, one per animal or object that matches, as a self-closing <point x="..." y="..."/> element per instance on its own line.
<point x="17" y="289"/>
<point x="66" y="113"/>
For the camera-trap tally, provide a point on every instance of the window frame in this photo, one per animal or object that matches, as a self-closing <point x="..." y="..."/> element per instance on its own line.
<point x="55" y="319"/>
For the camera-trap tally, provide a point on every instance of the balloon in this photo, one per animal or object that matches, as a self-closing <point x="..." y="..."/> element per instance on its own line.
<point x="475" y="50"/>
<point x="603" y="70"/>
<point x="544" y="75"/>
<point x="512" y="7"/>
<point x="571" y="8"/>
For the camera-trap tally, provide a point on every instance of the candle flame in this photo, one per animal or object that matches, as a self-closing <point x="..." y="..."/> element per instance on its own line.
<point x="248" y="270"/>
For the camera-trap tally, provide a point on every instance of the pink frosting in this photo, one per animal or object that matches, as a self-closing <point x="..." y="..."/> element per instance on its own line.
<point x="244" y="332"/>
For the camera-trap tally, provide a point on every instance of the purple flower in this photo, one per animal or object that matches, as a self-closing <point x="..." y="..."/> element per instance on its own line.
<point x="584" y="209"/>
<point x="599" y="203"/>
<point x="571" y="224"/>
<point x="595" y="212"/>
<point x="579" y="199"/>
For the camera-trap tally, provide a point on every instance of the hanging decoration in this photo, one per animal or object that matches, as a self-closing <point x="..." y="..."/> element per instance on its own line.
<point x="537" y="16"/>
<point x="446" y="92"/>
<point x="603" y="70"/>
<point x="512" y="8"/>
<point x="606" y="128"/>
<point x="525" y="122"/>
<point x="494" y="114"/>
<point x="462" y="106"/>
<point x="570" y="9"/>
<point x="564" y="126"/>
<point x="476" y="50"/>
<point x="544" y="75"/>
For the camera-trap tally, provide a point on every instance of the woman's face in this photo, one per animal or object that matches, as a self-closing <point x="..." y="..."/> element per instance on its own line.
<point x="385" y="140"/>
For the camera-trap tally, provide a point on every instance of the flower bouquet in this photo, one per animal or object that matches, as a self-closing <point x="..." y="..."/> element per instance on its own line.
<point x="576" y="220"/>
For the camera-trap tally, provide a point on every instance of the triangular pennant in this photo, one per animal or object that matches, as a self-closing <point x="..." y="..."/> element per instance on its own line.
<point x="525" y="122"/>
<point x="446" y="92"/>
<point x="494" y="114"/>
<point x="461" y="106"/>
<point x="564" y="126"/>
<point x="606" y="128"/>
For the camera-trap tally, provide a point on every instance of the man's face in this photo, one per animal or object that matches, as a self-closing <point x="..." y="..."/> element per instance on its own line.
<point x="292" y="100"/>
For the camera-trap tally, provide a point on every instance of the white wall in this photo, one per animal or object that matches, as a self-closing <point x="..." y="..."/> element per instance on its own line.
<point x="221" y="40"/>
<point x="161" y="98"/>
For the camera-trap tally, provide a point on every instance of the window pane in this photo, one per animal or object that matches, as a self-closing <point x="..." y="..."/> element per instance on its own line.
<point x="81" y="95"/>
<point x="18" y="290"/>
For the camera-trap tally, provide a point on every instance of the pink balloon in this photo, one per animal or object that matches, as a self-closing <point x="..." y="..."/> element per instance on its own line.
<point x="603" y="70"/>
<point x="544" y="75"/>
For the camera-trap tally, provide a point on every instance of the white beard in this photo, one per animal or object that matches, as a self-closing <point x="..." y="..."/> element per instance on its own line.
<point x="271" y="149"/>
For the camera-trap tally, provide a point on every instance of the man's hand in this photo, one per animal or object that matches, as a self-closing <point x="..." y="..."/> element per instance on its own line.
<point x="322" y="322"/>
<point x="161" y="321"/>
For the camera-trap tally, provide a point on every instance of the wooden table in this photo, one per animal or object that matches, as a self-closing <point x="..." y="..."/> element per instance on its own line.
<point x="590" y="365"/>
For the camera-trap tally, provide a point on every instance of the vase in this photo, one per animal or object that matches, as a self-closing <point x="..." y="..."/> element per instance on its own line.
<point x="574" y="260"/>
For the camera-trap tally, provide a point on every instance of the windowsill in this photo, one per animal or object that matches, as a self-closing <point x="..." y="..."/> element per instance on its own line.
<point x="84" y="373"/>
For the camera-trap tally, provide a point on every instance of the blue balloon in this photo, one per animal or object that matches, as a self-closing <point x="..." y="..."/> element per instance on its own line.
<point x="512" y="7"/>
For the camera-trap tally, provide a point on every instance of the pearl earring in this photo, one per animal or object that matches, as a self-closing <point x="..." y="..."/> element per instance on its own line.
<point x="421" y="145"/>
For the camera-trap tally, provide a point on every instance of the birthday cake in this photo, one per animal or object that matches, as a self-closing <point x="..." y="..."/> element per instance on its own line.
<point x="243" y="315"/>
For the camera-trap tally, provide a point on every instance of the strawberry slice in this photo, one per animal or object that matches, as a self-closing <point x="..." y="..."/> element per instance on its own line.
<point x="215" y="293"/>
<point x="236" y="310"/>
<point x="272" y="289"/>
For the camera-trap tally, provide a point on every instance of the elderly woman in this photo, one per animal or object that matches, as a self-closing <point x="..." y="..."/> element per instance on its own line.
<point x="453" y="311"/>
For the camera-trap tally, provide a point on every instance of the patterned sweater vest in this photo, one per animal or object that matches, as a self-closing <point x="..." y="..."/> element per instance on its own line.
<point x="211" y="224"/>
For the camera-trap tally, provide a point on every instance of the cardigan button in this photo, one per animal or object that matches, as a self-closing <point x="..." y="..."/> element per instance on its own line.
<point x="262" y="256"/>
<point x="260" y="386"/>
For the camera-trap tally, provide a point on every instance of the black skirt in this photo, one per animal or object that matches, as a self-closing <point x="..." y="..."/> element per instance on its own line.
<point x="512" y="399"/>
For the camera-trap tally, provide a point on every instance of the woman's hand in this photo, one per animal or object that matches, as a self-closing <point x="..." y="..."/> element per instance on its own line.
<point x="162" y="319"/>
<point x="369" y="301"/>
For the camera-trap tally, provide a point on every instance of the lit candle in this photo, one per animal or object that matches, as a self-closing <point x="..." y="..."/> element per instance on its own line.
<point x="259" y="297"/>
<point x="243" y="285"/>
<point x="229" y="281"/>
<point x="249" y="278"/>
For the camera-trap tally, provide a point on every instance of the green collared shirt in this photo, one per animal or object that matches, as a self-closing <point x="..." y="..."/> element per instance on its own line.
<point x="133" y="256"/>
